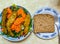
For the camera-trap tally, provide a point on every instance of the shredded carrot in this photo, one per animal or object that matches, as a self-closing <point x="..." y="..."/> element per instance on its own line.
<point x="24" y="15"/>
<point x="18" y="28"/>
<point x="13" y="27"/>
<point x="9" y="12"/>
<point x="16" y="25"/>
<point x="18" y="21"/>
<point x="21" y="12"/>
<point x="8" y="15"/>
<point x="22" y="33"/>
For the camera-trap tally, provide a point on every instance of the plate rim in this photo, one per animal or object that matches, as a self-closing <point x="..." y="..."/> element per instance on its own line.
<point x="42" y="12"/>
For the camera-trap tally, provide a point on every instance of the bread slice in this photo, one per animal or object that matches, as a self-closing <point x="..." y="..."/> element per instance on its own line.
<point x="43" y="23"/>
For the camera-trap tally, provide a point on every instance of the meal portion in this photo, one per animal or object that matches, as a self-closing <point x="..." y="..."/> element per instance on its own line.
<point x="43" y="23"/>
<point x="16" y="21"/>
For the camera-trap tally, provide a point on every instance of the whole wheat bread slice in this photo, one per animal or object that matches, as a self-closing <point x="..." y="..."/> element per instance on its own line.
<point x="43" y="23"/>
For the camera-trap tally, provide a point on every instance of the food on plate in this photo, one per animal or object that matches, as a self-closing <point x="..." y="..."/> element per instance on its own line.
<point x="9" y="12"/>
<point x="19" y="20"/>
<point x="43" y="23"/>
<point x="4" y="15"/>
<point x="16" y="21"/>
<point x="26" y="24"/>
<point x="27" y="20"/>
<point x="9" y="22"/>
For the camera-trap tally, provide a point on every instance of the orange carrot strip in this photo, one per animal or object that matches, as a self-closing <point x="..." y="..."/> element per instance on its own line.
<point x="21" y="12"/>
<point x="13" y="27"/>
<point x="8" y="15"/>
<point x="18" y="28"/>
<point x="18" y="21"/>
<point x="24" y="15"/>
<point x="9" y="12"/>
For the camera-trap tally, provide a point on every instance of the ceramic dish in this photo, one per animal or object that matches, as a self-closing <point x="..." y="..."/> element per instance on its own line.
<point x="16" y="38"/>
<point x="53" y="12"/>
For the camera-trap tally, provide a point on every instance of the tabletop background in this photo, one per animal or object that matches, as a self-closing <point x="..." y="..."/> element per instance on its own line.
<point x="31" y="6"/>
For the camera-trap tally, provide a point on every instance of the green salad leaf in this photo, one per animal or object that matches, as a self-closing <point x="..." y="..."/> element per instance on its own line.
<point x="25" y="10"/>
<point x="14" y="7"/>
<point x="30" y="26"/>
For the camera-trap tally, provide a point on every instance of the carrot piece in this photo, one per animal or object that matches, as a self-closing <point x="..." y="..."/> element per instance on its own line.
<point x="9" y="12"/>
<point x="8" y="15"/>
<point x="18" y="28"/>
<point x="24" y="15"/>
<point x="21" y="12"/>
<point x="18" y="21"/>
<point x="13" y="27"/>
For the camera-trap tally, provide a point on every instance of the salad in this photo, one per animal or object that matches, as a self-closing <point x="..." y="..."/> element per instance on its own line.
<point x="16" y="21"/>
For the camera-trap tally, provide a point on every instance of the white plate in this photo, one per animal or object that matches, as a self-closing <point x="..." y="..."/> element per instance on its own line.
<point x="16" y="39"/>
<point x="53" y="12"/>
<point x="11" y="38"/>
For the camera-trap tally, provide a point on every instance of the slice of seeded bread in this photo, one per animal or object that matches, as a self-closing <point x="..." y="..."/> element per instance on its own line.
<point x="43" y="23"/>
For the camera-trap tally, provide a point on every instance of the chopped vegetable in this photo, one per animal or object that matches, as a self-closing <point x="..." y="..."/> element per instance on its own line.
<point x="17" y="25"/>
<point x="18" y="21"/>
<point x="10" y="21"/>
<point x="9" y="12"/>
<point x="22" y="27"/>
<point x="15" y="21"/>
<point x="21" y="12"/>
<point x="25" y="11"/>
<point x="26" y="24"/>
<point x="21" y="33"/>
<point x="0" y="23"/>
<point x="30" y="25"/>
<point x="14" y="7"/>
<point x="18" y="28"/>
<point x="27" y="20"/>
<point x="13" y="27"/>
<point x="4" y="15"/>
<point x="26" y="30"/>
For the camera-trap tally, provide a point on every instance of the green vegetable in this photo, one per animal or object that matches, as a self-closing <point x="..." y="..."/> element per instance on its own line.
<point x="10" y="21"/>
<point x="4" y="16"/>
<point x="30" y="26"/>
<point x="1" y="23"/>
<point x="14" y="7"/>
<point x="25" y="11"/>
